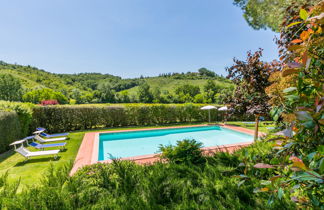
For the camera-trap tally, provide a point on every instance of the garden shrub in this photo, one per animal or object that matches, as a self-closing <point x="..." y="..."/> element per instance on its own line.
<point x="186" y="151"/>
<point x="24" y="112"/>
<point x="126" y="185"/>
<point x="10" y="129"/>
<point x="15" y="119"/>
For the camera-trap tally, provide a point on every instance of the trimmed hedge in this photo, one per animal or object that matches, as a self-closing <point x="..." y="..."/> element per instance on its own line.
<point x="24" y="112"/>
<point x="10" y="129"/>
<point x="15" y="119"/>
<point x="61" y="118"/>
<point x="78" y="117"/>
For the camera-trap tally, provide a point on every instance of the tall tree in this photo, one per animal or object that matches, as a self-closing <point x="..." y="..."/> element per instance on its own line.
<point x="156" y="95"/>
<point x="210" y="88"/>
<point x="144" y="93"/>
<point x="10" y="88"/>
<point x="268" y="13"/>
<point x="123" y="96"/>
<point x="107" y="94"/>
<point x="251" y="77"/>
<point x="206" y="72"/>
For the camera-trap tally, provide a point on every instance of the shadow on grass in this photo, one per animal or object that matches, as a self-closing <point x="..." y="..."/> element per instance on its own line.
<point x="6" y="155"/>
<point x="63" y="150"/>
<point x="38" y="160"/>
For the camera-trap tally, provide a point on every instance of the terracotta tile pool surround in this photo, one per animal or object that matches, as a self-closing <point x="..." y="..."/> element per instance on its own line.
<point x="88" y="151"/>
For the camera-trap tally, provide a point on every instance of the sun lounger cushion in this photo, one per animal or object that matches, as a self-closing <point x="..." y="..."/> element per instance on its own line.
<point x="40" y="129"/>
<point x="40" y="139"/>
<point x="42" y="146"/>
<point x="53" y="135"/>
<point x="46" y="135"/>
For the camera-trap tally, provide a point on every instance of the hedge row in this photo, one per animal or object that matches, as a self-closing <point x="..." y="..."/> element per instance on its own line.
<point x="24" y="112"/>
<point x="20" y="119"/>
<point x="69" y="118"/>
<point x="15" y="119"/>
<point x="10" y="129"/>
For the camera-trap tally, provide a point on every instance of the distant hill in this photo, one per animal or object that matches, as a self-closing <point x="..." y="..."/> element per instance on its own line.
<point x="93" y="84"/>
<point x="170" y="83"/>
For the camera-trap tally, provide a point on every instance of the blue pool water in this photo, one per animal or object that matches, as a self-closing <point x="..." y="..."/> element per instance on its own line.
<point x="128" y="144"/>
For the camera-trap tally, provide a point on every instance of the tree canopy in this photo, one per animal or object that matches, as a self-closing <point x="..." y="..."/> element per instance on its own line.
<point x="144" y="93"/>
<point x="10" y="88"/>
<point x="251" y="77"/>
<point x="267" y="13"/>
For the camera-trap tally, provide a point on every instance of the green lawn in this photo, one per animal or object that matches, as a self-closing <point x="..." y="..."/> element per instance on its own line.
<point x="263" y="126"/>
<point x="32" y="171"/>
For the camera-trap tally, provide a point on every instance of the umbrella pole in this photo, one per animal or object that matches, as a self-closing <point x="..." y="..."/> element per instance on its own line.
<point x="209" y="116"/>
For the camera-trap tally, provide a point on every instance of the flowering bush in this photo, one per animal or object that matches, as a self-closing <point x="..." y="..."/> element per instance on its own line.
<point x="49" y="102"/>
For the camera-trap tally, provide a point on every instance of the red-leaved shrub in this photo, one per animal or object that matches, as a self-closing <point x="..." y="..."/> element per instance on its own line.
<point x="49" y="102"/>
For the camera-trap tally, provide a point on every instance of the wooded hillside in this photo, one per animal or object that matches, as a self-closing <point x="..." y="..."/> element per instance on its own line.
<point x="37" y="85"/>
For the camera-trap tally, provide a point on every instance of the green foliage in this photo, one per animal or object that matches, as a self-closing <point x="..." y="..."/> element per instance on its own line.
<point x="10" y="129"/>
<point x="206" y="72"/>
<point x="187" y="92"/>
<point x="88" y="88"/>
<point x="144" y="93"/>
<point x="24" y="112"/>
<point x="211" y="89"/>
<point x="126" y="185"/>
<point x="106" y="93"/>
<point x="10" y="88"/>
<point x="186" y="151"/>
<point x="294" y="167"/>
<point x="268" y="13"/>
<point x="67" y="118"/>
<point x="102" y="88"/>
<point x="79" y="117"/>
<point x="38" y="95"/>
<point x="123" y="97"/>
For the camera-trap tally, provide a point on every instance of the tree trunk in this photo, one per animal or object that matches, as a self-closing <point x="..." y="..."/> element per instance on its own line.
<point x="256" y="131"/>
<point x="225" y="118"/>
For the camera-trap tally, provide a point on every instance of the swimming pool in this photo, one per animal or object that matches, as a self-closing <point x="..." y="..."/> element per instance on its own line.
<point x="137" y="143"/>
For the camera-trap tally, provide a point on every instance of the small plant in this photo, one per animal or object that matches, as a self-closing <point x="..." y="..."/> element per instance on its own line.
<point x="186" y="151"/>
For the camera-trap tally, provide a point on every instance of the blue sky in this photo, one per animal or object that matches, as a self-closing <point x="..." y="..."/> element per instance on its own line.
<point x="127" y="38"/>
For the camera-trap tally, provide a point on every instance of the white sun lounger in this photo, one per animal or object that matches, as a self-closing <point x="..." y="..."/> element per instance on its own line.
<point x="41" y="140"/>
<point x="27" y="154"/>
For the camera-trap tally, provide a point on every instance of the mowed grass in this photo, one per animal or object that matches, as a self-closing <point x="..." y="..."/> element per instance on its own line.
<point x="32" y="171"/>
<point x="263" y="126"/>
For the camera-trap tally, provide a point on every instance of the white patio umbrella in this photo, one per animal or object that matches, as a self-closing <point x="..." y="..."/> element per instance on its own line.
<point x="224" y="108"/>
<point x="209" y="107"/>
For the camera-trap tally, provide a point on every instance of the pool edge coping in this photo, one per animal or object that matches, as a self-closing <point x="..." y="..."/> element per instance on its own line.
<point x="89" y="148"/>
